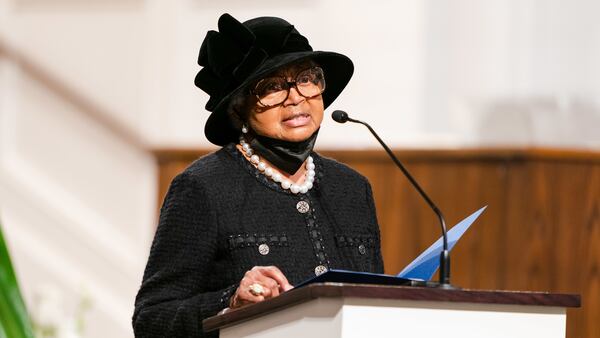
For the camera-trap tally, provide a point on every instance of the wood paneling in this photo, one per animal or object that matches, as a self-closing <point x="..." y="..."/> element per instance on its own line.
<point x="541" y="230"/>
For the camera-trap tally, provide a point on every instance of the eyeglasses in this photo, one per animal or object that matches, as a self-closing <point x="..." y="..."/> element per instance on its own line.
<point x="272" y="91"/>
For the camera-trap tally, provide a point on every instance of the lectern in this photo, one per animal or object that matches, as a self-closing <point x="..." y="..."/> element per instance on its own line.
<point x="330" y="310"/>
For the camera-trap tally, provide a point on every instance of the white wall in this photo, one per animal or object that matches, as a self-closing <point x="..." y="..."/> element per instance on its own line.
<point x="513" y="72"/>
<point x="428" y="73"/>
<point x="77" y="197"/>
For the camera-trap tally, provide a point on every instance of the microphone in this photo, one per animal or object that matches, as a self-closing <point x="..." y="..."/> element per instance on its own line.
<point x="340" y="116"/>
<point x="444" y="274"/>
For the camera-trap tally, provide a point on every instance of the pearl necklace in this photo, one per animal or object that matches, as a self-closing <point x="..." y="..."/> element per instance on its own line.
<point x="277" y="177"/>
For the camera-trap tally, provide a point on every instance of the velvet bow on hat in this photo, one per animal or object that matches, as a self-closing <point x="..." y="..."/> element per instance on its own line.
<point x="240" y="54"/>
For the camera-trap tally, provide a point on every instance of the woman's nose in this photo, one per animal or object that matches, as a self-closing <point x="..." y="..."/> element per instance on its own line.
<point x="294" y="97"/>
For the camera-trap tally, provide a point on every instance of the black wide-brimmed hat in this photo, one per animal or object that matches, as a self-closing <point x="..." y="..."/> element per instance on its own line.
<point x="239" y="54"/>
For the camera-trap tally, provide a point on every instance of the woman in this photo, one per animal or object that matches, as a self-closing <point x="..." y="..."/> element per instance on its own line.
<point x="264" y="212"/>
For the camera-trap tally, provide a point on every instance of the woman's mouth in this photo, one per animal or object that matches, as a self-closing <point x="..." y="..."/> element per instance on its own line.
<point x="297" y="120"/>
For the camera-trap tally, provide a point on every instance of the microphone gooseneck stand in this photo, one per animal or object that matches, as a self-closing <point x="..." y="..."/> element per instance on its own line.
<point x="444" y="274"/>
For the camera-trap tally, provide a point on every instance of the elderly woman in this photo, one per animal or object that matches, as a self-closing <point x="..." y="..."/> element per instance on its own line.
<point x="264" y="212"/>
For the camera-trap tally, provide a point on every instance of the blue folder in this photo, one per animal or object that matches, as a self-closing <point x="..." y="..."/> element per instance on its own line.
<point x="419" y="272"/>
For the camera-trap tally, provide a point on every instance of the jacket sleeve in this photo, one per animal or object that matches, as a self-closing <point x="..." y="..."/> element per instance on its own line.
<point x="176" y="295"/>
<point x="377" y="259"/>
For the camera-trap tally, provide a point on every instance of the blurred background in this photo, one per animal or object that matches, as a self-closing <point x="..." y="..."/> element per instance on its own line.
<point x="490" y="103"/>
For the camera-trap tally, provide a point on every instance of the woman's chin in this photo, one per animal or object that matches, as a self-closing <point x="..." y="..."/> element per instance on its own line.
<point x="298" y="134"/>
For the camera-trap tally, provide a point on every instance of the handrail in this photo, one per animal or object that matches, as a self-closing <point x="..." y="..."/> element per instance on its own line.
<point x="483" y="153"/>
<point x="92" y="110"/>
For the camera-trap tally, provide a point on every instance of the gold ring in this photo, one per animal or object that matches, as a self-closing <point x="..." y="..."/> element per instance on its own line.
<point x="256" y="289"/>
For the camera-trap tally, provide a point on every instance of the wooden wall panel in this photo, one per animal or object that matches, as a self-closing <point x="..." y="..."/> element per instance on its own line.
<point x="541" y="230"/>
<point x="409" y="226"/>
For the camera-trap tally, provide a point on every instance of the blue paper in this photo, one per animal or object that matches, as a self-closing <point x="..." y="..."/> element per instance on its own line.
<point x="424" y="266"/>
<point x="416" y="273"/>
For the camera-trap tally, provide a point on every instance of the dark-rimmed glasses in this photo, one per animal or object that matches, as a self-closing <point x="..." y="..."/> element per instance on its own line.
<point x="274" y="90"/>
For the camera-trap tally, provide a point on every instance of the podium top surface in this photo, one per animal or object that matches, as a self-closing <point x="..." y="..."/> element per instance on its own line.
<point x="345" y="290"/>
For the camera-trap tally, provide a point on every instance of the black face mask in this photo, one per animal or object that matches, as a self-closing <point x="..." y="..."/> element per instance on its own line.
<point x="285" y="155"/>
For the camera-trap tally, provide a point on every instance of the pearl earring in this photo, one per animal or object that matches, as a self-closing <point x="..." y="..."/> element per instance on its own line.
<point x="244" y="129"/>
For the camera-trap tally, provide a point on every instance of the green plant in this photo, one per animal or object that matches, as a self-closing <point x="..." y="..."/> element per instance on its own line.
<point x="14" y="321"/>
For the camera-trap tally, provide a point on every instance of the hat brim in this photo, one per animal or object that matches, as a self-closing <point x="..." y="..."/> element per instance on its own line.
<point x="338" y="70"/>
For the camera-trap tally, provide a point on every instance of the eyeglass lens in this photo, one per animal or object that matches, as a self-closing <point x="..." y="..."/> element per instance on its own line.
<point x="272" y="91"/>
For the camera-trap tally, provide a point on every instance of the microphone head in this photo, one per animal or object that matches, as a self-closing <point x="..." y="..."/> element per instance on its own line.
<point x="339" y="116"/>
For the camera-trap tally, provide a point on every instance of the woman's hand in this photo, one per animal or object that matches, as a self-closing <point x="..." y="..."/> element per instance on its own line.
<point x="258" y="284"/>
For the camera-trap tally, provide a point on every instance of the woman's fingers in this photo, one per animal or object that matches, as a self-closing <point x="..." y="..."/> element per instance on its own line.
<point x="239" y="300"/>
<point x="270" y="286"/>
<point x="262" y="284"/>
<point x="258" y="284"/>
<point x="276" y="274"/>
<point x="243" y="295"/>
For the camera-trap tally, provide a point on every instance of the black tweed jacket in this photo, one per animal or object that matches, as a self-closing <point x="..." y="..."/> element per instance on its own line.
<point x="221" y="217"/>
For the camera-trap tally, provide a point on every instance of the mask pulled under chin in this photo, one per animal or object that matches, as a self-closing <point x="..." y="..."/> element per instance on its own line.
<point x="285" y="155"/>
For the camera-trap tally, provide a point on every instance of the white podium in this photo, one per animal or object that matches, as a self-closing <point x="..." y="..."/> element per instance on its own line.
<point x="331" y="310"/>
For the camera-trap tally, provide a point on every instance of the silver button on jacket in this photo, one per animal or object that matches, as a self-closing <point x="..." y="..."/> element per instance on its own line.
<point x="320" y="269"/>
<point x="362" y="249"/>
<point x="263" y="249"/>
<point x="302" y="207"/>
